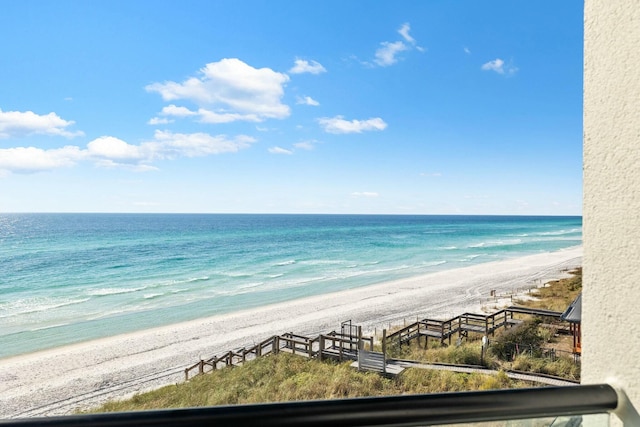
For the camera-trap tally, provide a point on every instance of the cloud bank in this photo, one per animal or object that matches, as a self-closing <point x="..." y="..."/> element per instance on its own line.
<point x="112" y="152"/>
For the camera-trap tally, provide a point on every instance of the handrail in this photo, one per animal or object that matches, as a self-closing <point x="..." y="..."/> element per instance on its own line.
<point x="288" y="340"/>
<point x="406" y="410"/>
<point x="464" y="322"/>
<point x="443" y="328"/>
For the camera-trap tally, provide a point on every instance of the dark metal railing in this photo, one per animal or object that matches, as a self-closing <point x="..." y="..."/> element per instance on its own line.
<point x="407" y="410"/>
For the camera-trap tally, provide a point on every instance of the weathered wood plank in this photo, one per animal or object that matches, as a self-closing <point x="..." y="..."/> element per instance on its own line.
<point x="371" y="361"/>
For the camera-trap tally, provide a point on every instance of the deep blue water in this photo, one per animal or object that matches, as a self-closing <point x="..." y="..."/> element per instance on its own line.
<point x="66" y="278"/>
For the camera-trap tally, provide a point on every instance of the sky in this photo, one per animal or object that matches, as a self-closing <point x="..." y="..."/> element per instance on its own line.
<point x="386" y="107"/>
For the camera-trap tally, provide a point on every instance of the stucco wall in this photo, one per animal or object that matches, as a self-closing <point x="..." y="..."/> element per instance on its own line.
<point x="611" y="213"/>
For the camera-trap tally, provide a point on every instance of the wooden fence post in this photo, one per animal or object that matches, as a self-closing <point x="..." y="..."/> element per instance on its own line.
<point x="384" y="342"/>
<point x="201" y="367"/>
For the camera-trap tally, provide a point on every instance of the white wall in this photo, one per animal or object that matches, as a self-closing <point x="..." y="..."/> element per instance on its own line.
<point x="611" y="213"/>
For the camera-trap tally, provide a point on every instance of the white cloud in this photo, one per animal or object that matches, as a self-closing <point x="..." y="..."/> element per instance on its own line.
<point x="386" y="54"/>
<point x="279" y="150"/>
<point x="339" y="125"/>
<point x="159" y="121"/>
<point x="303" y="66"/>
<point x="364" y="194"/>
<point x="173" y="110"/>
<point x="495" y="65"/>
<point x="305" y="145"/>
<point x="206" y="116"/>
<point x="404" y="32"/>
<point x="109" y="147"/>
<point x="108" y="151"/>
<point x="19" y="123"/>
<point x="32" y="159"/>
<point x="499" y="66"/>
<point x="167" y="145"/>
<point x="236" y="90"/>
<point x="307" y="100"/>
<point x="135" y="167"/>
<point x="111" y="152"/>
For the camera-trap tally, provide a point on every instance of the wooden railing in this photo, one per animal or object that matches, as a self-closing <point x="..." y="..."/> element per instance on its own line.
<point x="463" y="324"/>
<point x="341" y="346"/>
<point x="332" y="345"/>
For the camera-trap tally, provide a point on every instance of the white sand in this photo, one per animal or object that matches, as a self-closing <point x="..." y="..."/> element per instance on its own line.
<point x="61" y="380"/>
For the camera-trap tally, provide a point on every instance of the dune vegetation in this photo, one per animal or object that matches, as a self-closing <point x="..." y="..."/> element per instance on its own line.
<point x="532" y="346"/>
<point x="286" y="377"/>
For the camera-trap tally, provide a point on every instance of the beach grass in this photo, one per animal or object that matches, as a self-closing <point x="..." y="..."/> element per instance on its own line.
<point x="285" y="377"/>
<point x="557" y="294"/>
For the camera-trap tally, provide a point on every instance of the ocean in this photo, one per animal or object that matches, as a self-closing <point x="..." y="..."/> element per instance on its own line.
<point x="67" y="278"/>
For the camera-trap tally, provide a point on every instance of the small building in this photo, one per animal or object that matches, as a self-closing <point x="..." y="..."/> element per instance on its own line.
<point x="573" y="315"/>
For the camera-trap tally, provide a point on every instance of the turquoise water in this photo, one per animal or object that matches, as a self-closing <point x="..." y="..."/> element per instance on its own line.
<point x="66" y="278"/>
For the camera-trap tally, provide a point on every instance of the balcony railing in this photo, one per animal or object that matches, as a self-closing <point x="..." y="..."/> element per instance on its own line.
<point x="407" y="410"/>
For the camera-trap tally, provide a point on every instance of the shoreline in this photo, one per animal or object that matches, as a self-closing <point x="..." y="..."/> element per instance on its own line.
<point x="93" y="372"/>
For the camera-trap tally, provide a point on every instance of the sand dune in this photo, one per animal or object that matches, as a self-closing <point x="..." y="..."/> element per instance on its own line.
<point x="61" y="380"/>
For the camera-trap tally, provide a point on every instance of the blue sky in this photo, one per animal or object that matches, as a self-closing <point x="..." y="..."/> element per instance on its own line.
<point x="413" y="107"/>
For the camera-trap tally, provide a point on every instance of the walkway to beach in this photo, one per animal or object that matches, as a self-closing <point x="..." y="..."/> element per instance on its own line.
<point x="464" y="324"/>
<point x="468" y="370"/>
<point x="349" y="342"/>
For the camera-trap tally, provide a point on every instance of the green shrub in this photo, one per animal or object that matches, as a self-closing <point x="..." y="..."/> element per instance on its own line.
<point x="511" y="342"/>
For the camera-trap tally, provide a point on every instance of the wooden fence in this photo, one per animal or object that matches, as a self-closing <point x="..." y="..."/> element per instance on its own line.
<point x="333" y="345"/>
<point x="344" y="346"/>
<point x="463" y="324"/>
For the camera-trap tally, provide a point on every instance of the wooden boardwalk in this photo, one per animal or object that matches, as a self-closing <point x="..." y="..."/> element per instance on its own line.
<point x="463" y="324"/>
<point x="523" y="376"/>
<point x="345" y="345"/>
<point x="333" y="345"/>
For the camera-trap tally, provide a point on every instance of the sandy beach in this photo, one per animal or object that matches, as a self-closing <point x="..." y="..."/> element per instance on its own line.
<point x="61" y="380"/>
